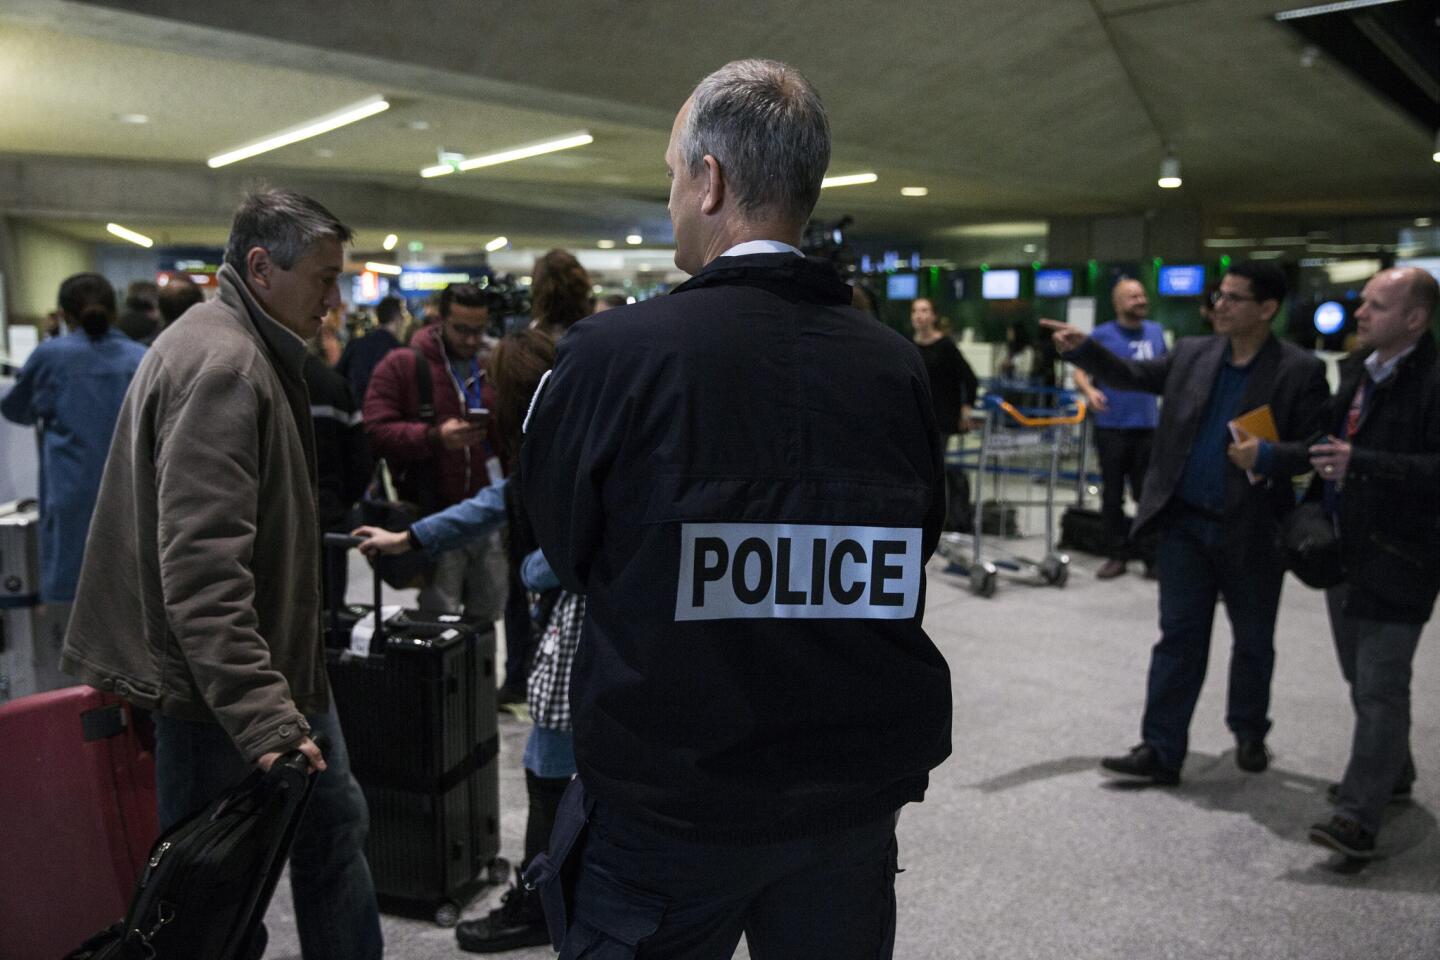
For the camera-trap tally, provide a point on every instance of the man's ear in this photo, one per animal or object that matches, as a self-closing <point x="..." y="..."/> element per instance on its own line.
<point x="257" y="266"/>
<point x="714" y="186"/>
<point x="1268" y="309"/>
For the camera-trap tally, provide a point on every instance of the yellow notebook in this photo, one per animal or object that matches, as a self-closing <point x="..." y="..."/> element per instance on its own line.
<point x="1259" y="422"/>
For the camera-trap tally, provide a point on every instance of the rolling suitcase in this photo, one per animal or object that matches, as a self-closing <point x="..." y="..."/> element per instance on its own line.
<point x="77" y="810"/>
<point x="420" y="722"/>
<point x="30" y="634"/>
<point x="210" y="877"/>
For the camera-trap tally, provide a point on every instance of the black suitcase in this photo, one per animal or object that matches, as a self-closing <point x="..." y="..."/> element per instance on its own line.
<point x="1084" y="530"/>
<point x="210" y="877"/>
<point x="420" y="724"/>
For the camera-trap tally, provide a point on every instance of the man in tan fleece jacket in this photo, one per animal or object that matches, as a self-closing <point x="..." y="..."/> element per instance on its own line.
<point x="199" y="594"/>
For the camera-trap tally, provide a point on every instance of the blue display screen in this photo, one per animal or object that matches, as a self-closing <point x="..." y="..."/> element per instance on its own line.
<point x="1000" y="284"/>
<point x="1182" y="281"/>
<point x="902" y="286"/>
<point x="1054" y="283"/>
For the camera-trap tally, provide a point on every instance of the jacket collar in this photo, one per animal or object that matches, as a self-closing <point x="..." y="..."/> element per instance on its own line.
<point x="814" y="280"/>
<point x="288" y="349"/>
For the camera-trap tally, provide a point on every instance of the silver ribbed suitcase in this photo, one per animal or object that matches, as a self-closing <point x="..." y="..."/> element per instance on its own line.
<point x="30" y="634"/>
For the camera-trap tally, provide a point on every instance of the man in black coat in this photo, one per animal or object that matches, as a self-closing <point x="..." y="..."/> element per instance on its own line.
<point x="1216" y="499"/>
<point x="745" y="479"/>
<point x="1381" y="468"/>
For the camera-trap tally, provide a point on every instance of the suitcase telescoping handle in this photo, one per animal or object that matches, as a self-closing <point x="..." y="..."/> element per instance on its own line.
<point x="342" y="542"/>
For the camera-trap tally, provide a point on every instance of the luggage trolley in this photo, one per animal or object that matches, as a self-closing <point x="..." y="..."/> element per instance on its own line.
<point x="1008" y="433"/>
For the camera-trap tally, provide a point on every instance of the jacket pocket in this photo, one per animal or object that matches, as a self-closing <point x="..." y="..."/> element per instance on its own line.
<point x="1400" y="573"/>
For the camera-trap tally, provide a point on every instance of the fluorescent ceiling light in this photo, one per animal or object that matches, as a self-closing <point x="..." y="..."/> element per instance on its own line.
<point x="499" y="243"/>
<point x="1019" y="228"/>
<point x="359" y="111"/>
<point x="1324" y="8"/>
<point x="126" y="234"/>
<point x="605" y="244"/>
<point x="389" y="269"/>
<point x="634" y="239"/>
<point x="1169" y="172"/>
<point x="848" y="181"/>
<point x="914" y="191"/>
<point x="390" y="241"/>
<point x="506" y="156"/>
<point x="132" y="118"/>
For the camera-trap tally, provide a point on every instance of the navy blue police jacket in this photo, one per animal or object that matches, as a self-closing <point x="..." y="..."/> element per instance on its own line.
<point x="746" y="480"/>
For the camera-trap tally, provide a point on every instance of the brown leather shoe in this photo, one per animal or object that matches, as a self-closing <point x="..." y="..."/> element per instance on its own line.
<point x="1111" y="570"/>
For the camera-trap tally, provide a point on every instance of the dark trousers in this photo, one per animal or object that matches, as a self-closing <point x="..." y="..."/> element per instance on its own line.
<point x="1202" y="560"/>
<point x="1124" y="458"/>
<point x="335" y="911"/>
<point x="647" y="895"/>
<point x="1375" y="658"/>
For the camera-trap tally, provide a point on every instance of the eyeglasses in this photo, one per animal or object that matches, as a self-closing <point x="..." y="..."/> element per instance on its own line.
<point x="1221" y="296"/>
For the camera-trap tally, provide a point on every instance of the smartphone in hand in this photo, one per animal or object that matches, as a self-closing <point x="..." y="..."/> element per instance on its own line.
<point x="479" y="416"/>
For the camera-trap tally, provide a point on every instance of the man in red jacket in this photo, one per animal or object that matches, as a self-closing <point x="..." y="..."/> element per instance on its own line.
<point x="444" y="454"/>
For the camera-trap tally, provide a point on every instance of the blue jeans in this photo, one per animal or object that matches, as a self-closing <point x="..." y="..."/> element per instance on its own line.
<point x="335" y="910"/>
<point x="646" y="895"/>
<point x="1375" y="658"/>
<point x="1202" y="560"/>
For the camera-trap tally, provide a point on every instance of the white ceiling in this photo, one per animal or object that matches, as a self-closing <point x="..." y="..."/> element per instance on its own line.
<point x="1014" y="111"/>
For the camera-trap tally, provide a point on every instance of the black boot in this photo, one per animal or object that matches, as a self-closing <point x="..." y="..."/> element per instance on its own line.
<point x="519" y="921"/>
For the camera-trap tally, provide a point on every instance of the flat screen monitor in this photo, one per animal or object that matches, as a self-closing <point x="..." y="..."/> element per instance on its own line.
<point x="902" y="286"/>
<point x="1000" y="284"/>
<point x="1054" y="283"/>
<point x="1182" y="281"/>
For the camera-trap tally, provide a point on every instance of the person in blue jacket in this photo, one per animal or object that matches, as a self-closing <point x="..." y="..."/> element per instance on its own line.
<point x="72" y="387"/>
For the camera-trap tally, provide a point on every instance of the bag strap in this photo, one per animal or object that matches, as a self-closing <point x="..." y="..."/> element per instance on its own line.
<point x="424" y="385"/>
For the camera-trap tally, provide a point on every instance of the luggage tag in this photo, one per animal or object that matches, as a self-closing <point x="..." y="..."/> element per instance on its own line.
<point x="363" y="632"/>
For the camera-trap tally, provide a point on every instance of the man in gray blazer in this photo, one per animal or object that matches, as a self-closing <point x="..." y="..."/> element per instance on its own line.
<point x="1215" y="500"/>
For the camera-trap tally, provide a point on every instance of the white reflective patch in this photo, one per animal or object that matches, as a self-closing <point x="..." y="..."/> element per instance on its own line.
<point x="744" y="571"/>
<point x="534" y="398"/>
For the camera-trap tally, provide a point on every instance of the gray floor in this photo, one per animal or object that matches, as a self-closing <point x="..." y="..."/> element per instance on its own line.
<point x="1023" y="850"/>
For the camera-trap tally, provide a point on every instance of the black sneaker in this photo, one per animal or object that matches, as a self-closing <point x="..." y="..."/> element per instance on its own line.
<point x="1345" y="836"/>
<point x="507" y="696"/>
<point x="1251" y="755"/>
<point x="1142" y="761"/>
<point x="519" y="921"/>
<point x="1401" y="794"/>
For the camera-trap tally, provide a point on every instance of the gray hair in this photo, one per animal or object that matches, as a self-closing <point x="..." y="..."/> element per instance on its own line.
<point x="765" y="125"/>
<point x="285" y="223"/>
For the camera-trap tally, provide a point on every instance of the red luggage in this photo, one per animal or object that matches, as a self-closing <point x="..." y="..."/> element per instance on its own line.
<point x="77" y="804"/>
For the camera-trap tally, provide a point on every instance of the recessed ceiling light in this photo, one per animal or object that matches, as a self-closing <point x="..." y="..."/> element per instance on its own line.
<point x="634" y="239"/>
<point x="135" y="118"/>
<point x="605" y="244"/>
<point x="390" y="241"/>
<point x="914" y="191"/>
<point x="125" y="233"/>
<point x="506" y="156"/>
<point x="389" y="269"/>
<point x="312" y="128"/>
<point x="417" y="124"/>
<point x="324" y="153"/>
<point x="850" y="180"/>
<point x="499" y="243"/>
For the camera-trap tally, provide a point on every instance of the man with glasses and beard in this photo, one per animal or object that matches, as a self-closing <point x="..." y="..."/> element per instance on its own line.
<point x="1215" y="500"/>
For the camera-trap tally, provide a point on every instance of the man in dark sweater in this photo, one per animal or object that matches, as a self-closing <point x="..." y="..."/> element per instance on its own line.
<point x="1215" y="499"/>
<point x="754" y="695"/>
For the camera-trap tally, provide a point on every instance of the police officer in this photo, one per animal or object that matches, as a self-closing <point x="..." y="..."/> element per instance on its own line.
<point x="745" y="478"/>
